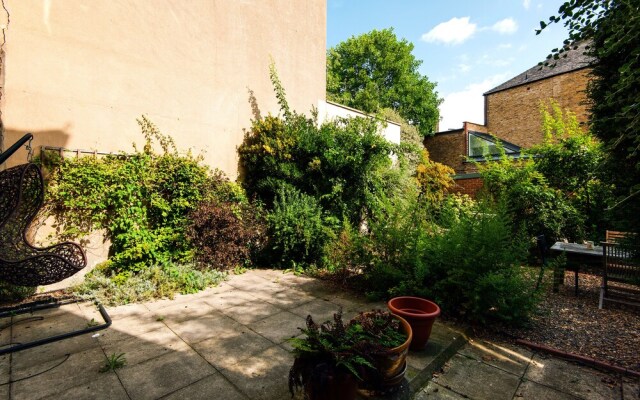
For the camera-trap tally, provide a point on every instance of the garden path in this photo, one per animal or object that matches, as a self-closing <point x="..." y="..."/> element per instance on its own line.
<point x="229" y="342"/>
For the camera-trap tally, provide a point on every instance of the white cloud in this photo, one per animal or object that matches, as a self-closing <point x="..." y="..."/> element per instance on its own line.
<point x="526" y="4"/>
<point x="464" y="67"/>
<point x="505" y="46"/>
<point x="506" y="26"/>
<point x="468" y="104"/>
<point x="454" y="31"/>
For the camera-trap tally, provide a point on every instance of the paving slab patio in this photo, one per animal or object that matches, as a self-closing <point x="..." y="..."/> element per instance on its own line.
<point x="230" y="342"/>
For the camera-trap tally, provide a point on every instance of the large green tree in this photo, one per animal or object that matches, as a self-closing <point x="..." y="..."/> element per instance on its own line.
<point x="376" y="70"/>
<point x="613" y="27"/>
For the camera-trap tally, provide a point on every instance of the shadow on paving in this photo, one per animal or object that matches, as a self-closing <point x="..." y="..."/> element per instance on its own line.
<point x="227" y="342"/>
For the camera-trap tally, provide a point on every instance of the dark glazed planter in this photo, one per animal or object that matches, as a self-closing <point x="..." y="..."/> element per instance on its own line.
<point x="419" y="313"/>
<point x="341" y="386"/>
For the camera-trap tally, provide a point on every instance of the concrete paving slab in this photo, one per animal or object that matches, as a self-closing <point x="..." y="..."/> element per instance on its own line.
<point x="215" y="386"/>
<point x="106" y="387"/>
<point x="224" y="351"/>
<point x="570" y="378"/>
<point x="508" y="358"/>
<point x="279" y="327"/>
<point x="631" y="388"/>
<point x="196" y="330"/>
<point x="264" y="376"/>
<point x="57" y="350"/>
<point x="163" y="375"/>
<point x="477" y="380"/>
<point x="230" y="298"/>
<point x="5" y="331"/>
<point x="533" y="390"/>
<point x="125" y="328"/>
<point x="319" y="309"/>
<point x="127" y="310"/>
<point x="147" y="345"/>
<point x="253" y="282"/>
<point x="184" y="311"/>
<point x="286" y="299"/>
<point x="251" y="312"/>
<point x="435" y="391"/>
<point x="40" y="325"/>
<point x="57" y="375"/>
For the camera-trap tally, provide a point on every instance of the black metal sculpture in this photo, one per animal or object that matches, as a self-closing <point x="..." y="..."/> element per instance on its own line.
<point x="21" y="263"/>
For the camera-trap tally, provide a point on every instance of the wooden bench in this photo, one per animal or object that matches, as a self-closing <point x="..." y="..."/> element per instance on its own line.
<point x="621" y="273"/>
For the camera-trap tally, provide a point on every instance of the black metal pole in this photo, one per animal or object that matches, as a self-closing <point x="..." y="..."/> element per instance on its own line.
<point x="5" y="155"/>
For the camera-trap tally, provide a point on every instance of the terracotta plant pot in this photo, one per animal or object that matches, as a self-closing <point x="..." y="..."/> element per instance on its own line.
<point x="419" y="313"/>
<point x="391" y="364"/>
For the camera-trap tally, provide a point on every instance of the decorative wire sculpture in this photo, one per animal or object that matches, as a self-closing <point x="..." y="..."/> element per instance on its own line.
<point x="21" y="263"/>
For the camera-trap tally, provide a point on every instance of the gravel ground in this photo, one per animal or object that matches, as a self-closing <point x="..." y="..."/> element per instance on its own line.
<point x="576" y="325"/>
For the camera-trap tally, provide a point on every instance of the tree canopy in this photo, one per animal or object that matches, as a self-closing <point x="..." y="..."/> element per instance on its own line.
<point x="376" y="70"/>
<point x="613" y="28"/>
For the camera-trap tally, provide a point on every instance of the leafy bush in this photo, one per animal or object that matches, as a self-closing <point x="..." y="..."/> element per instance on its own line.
<point x="298" y="230"/>
<point x="141" y="200"/>
<point x="154" y="282"/>
<point x="10" y="293"/>
<point x="336" y="162"/>
<point x="537" y="207"/>
<point x="224" y="235"/>
<point x="474" y="268"/>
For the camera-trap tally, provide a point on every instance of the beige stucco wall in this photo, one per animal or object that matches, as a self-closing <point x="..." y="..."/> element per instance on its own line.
<point x="78" y="73"/>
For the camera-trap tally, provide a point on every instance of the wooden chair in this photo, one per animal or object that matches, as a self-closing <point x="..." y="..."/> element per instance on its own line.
<point x="616" y="236"/>
<point x="620" y="274"/>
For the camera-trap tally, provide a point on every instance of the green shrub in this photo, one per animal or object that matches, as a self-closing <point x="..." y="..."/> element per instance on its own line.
<point x="154" y="282"/>
<point x="141" y="201"/>
<point x="474" y="268"/>
<point x="298" y="230"/>
<point x="337" y="162"/>
<point x="532" y="203"/>
<point x="11" y="293"/>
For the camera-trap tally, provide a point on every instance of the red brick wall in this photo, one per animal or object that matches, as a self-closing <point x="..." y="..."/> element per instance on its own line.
<point x="513" y="114"/>
<point x="469" y="186"/>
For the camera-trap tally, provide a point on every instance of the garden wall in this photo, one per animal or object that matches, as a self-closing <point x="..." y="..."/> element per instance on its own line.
<point x="77" y="74"/>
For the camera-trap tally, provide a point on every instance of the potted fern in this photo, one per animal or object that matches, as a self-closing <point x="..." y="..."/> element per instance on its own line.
<point x="331" y="359"/>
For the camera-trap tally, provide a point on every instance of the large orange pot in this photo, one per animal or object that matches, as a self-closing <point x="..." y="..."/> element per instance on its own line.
<point x="420" y="314"/>
<point x="391" y="364"/>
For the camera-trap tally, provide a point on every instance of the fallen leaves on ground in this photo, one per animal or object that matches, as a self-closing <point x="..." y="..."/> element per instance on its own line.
<point x="574" y="324"/>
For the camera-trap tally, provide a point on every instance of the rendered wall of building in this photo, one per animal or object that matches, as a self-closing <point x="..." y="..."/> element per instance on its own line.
<point x="77" y="74"/>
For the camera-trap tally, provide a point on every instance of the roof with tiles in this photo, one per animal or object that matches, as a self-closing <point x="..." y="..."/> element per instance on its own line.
<point x="574" y="60"/>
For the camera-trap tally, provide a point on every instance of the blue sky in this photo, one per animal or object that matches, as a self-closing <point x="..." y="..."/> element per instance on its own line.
<point x="467" y="46"/>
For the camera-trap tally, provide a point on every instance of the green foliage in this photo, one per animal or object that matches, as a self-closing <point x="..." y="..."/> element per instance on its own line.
<point x="11" y="293"/>
<point x="537" y="207"/>
<point x="298" y="229"/>
<point x="154" y="282"/>
<point x="559" y="189"/>
<point x="571" y="161"/>
<point x="376" y="70"/>
<point x="349" y="347"/>
<point x="474" y="268"/>
<point x="613" y="31"/>
<point x="141" y="201"/>
<point x="114" y="361"/>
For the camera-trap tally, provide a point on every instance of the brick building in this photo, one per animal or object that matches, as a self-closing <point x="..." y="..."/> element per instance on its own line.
<point x="512" y="115"/>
